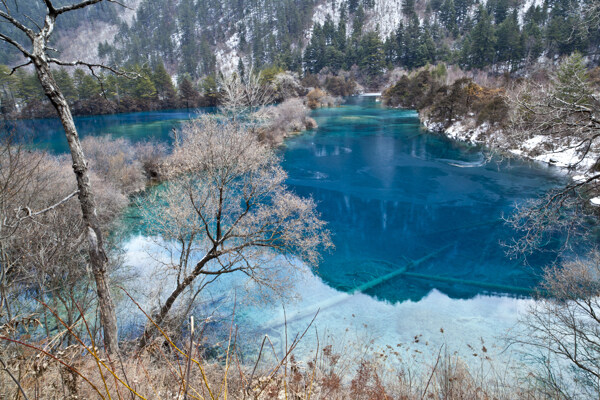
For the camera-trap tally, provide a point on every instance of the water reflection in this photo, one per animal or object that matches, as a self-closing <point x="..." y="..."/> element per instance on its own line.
<point x="392" y="194"/>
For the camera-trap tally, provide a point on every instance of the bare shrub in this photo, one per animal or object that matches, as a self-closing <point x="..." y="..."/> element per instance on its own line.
<point x="116" y="160"/>
<point x="319" y="98"/>
<point x="45" y="255"/>
<point x="564" y="326"/>
<point x="291" y="116"/>
<point x="243" y="94"/>
<point x="230" y="212"/>
<point x="286" y="85"/>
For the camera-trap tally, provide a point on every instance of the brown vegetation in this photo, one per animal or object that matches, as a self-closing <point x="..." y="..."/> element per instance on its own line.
<point x="446" y="103"/>
<point x="317" y="98"/>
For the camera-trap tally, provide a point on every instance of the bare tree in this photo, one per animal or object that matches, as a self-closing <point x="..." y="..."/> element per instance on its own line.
<point x="243" y="94"/>
<point x="564" y="117"/>
<point x="565" y="325"/>
<point x="228" y="211"/>
<point x="41" y="245"/>
<point x="36" y="53"/>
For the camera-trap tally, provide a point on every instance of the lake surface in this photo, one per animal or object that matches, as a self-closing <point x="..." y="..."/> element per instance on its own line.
<point x="151" y="125"/>
<point x="396" y="198"/>
<point x="393" y="193"/>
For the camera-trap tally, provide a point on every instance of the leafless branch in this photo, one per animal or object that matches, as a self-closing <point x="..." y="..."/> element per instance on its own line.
<point x="17" y="24"/>
<point x="14" y="379"/>
<point x="16" y="44"/>
<point x="91" y="67"/>
<point x="83" y="4"/>
<point x="20" y="66"/>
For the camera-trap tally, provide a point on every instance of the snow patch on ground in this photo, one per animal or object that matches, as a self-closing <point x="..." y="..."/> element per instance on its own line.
<point x="228" y="57"/>
<point x="385" y="16"/>
<point x="565" y="156"/>
<point x="538" y="148"/>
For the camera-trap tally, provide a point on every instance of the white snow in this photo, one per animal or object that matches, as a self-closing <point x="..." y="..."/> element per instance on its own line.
<point x="595" y="201"/>
<point x="227" y="56"/>
<point x="564" y="155"/>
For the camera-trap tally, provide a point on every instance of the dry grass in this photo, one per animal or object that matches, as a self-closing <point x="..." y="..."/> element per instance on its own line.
<point x="166" y="370"/>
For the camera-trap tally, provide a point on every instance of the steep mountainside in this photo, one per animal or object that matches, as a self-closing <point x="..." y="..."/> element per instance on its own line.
<point x="197" y="38"/>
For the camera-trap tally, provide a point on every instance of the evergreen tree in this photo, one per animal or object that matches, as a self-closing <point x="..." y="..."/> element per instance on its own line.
<point x="210" y="90"/>
<point x="8" y="89"/>
<point x="358" y="22"/>
<point x="509" y="41"/>
<point x="187" y="31"/>
<point x="87" y="86"/>
<point x="187" y="92"/>
<point x="447" y="16"/>
<point x="66" y="85"/>
<point x="408" y="8"/>
<point x="372" y="56"/>
<point x="482" y="41"/>
<point x="163" y="83"/>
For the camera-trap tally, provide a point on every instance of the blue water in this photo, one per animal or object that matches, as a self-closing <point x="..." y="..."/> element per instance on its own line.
<point x="391" y="192"/>
<point x="152" y="125"/>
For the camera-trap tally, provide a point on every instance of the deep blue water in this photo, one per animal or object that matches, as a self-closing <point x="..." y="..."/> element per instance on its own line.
<point x="391" y="193"/>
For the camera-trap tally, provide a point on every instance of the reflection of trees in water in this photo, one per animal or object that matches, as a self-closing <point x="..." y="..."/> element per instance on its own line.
<point x="374" y="237"/>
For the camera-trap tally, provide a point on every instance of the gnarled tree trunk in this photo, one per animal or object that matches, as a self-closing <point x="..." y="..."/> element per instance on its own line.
<point x="98" y="258"/>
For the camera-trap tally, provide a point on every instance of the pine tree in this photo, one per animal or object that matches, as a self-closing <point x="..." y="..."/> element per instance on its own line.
<point x="482" y="41"/>
<point x="372" y="60"/>
<point x="447" y="16"/>
<point x="571" y="82"/>
<point x="358" y="22"/>
<point x="66" y="85"/>
<point x="163" y="83"/>
<point x="143" y="88"/>
<point x="408" y="8"/>
<point x="189" y="47"/>
<point x="8" y="90"/>
<point x="508" y="41"/>
<point x="188" y="93"/>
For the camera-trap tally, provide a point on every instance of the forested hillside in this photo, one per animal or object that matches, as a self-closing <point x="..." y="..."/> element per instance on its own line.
<point x="33" y="13"/>
<point x="197" y="37"/>
<point x="194" y="41"/>
<point x="194" y="37"/>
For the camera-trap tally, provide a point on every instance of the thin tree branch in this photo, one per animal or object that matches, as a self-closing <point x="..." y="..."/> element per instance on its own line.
<point x="17" y="24"/>
<point x="13" y="42"/>
<point x="91" y="66"/>
<point x="83" y="4"/>
<point x="15" y="380"/>
<point x="20" y="66"/>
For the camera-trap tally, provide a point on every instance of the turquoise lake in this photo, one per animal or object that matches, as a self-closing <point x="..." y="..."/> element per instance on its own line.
<point x="392" y="194"/>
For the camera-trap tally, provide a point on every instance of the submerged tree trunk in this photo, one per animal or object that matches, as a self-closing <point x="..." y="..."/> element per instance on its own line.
<point x="98" y="258"/>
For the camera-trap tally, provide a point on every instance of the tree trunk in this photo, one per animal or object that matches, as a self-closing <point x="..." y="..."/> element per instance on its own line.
<point x="98" y="258"/>
<point x="159" y="316"/>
